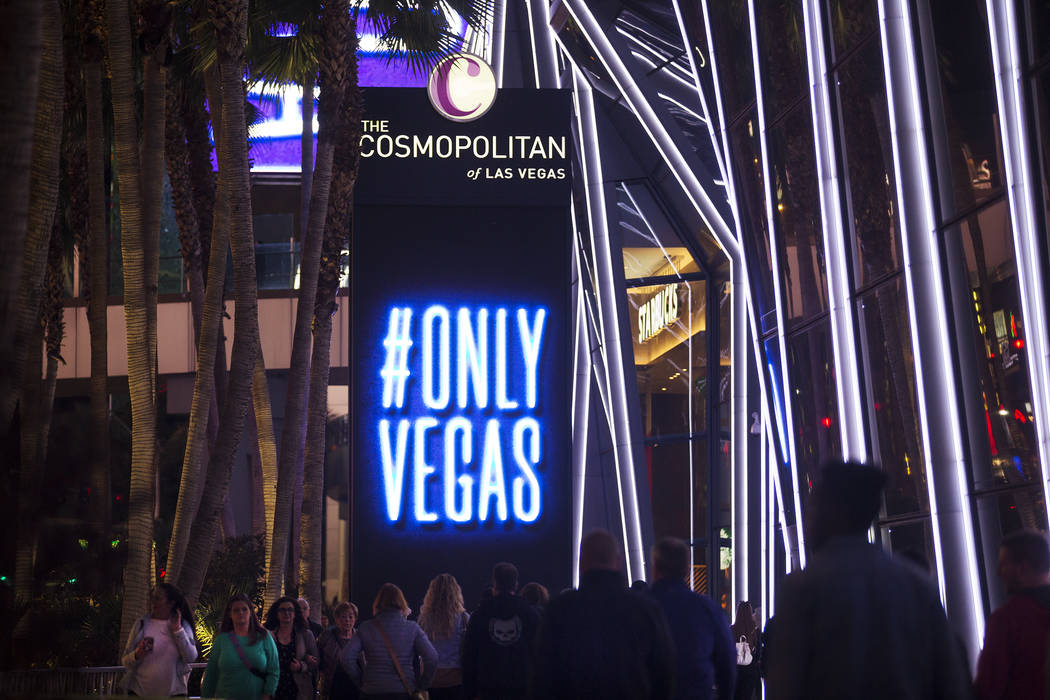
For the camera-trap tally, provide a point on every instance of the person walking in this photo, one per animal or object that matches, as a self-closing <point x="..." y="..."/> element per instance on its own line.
<point x="745" y="631"/>
<point x="499" y="652"/>
<point x="856" y="622"/>
<point x="315" y="627"/>
<point x="444" y="619"/>
<point x="336" y="684"/>
<point x="706" y="657"/>
<point x="161" y="646"/>
<point x="1013" y="661"/>
<point x="603" y="642"/>
<point x="296" y="649"/>
<point x="380" y="658"/>
<point x="243" y="661"/>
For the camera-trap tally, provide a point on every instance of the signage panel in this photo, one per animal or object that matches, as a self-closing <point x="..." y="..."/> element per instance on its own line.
<point x="461" y="350"/>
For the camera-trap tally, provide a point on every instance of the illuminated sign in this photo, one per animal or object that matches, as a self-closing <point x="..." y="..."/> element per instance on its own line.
<point x="460" y="344"/>
<point x="657" y="313"/>
<point x="486" y="437"/>
<point x="462" y="87"/>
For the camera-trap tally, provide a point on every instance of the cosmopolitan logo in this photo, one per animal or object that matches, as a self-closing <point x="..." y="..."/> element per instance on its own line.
<point x="378" y="142"/>
<point x="460" y="430"/>
<point x="461" y="87"/>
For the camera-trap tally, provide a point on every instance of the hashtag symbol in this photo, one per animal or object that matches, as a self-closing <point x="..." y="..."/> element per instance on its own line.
<point x="395" y="370"/>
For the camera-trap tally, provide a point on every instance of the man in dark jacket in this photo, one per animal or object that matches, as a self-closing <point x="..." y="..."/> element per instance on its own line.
<point x="699" y="628"/>
<point x="499" y="651"/>
<point x="603" y="642"/>
<point x="1013" y="661"/>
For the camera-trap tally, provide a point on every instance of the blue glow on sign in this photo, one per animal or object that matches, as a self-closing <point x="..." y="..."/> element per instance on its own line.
<point x="457" y="445"/>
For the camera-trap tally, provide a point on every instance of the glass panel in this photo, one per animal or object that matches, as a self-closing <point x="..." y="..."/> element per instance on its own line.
<point x="964" y="62"/>
<point x="987" y="243"/>
<point x="751" y="195"/>
<point x="814" y="404"/>
<point x="914" y="542"/>
<point x="849" y="22"/>
<point x="668" y="324"/>
<point x="800" y="240"/>
<point x="892" y="399"/>
<point x="782" y="52"/>
<point x="1018" y="509"/>
<point x="1038" y="19"/>
<point x="1041" y="98"/>
<point x="669" y="477"/>
<point x="651" y="246"/>
<point x="170" y="279"/>
<point x="583" y="55"/>
<point x="276" y="251"/>
<point x="864" y="127"/>
<point x="696" y="37"/>
<point x="731" y="32"/>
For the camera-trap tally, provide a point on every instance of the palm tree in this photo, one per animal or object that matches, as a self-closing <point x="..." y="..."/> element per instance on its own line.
<point x="229" y="18"/>
<point x="141" y="382"/>
<point x="20" y="55"/>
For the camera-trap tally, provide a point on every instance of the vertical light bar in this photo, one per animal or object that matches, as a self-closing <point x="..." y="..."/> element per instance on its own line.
<point x="499" y="36"/>
<point x="843" y="338"/>
<point x="581" y="403"/>
<point x="692" y="491"/>
<point x="767" y="515"/>
<point x="1021" y="186"/>
<point x="544" y="55"/>
<point x="921" y="258"/>
<point x="610" y="331"/>
<point x="532" y="42"/>
<point x="777" y="294"/>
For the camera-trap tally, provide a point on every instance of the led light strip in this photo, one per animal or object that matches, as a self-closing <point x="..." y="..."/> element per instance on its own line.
<point x="1021" y="185"/>
<point x="914" y="139"/>
<point x="581" y="401"/>
<point x="546" y="39"/>
<point x="778" y="297"/>
<point x="532" y="42"/>
<point x="843" y="336"/>
<point x="499" y="36"/>
<point x="609" y="325"/>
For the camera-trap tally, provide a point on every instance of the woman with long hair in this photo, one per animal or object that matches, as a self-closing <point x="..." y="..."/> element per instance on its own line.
<point x="390" y="644"/>
<point x="161" y="646"/>
<point x="444" y="620"/>
<point x="745" y="631"/>
<point x="296" y="649"/>
<point x="337" y="684"/>
<point x="243" y="660"/>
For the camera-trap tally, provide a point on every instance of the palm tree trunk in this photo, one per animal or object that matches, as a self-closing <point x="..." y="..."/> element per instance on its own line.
<point x="43" y="193"/>
<point x="137" y="579"/>
<point x="230" y="21"/>
<point x="267" y="449"/>
<point x="152" y="182"/>
<point x="97" y="271"/>
<point x="20" y="53"/>
<point x="335" y="22"/>
<point x="347" y="130"/>
<point x="307" y="146"/>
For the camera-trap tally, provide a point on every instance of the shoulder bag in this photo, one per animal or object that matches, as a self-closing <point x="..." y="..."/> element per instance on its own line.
<point x="414" y="694"/>
<point x="244" y="658"/>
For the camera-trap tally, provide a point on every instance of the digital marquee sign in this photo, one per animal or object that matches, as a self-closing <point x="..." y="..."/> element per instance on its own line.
<point x="461" y="345"/>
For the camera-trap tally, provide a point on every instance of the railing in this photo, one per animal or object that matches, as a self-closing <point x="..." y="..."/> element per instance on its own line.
<point x="66" y="682"/>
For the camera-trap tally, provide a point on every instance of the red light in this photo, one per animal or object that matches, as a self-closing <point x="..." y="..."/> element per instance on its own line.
<point x="119" y="497"/>
<point x="163" y="573"/>
<point x="1019" y="343"/>
<point x="878" y="406"/>
<point x="1020" y="416"/>
<point x="826" y="421"/>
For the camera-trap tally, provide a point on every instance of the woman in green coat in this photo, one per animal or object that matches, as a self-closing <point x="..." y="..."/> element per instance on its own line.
<point x="243" y="661"/>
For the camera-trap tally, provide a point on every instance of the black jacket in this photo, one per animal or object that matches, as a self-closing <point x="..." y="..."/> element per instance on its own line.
<point x="499" y="651"/>
<point x="603" y="642"/>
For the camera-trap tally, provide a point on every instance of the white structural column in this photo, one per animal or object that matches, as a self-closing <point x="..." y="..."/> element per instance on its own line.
<point x="946" y="469"/>
<point x="544" y="56"/>
<point x="836" y="252"/>
<point x="1023" y="189"/>
<point x="705" y="207"/>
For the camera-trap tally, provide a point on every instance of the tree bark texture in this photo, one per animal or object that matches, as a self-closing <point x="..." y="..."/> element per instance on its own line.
<point x="21" y="45"/>
<point x="230" y="21"/>
<point x="137" y="579"/>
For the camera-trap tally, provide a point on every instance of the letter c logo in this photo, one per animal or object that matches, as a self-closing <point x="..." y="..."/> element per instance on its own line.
<point x="462" y="87"/>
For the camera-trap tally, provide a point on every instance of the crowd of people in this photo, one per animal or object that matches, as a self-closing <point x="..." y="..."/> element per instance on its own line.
<point x="855" y="623"/>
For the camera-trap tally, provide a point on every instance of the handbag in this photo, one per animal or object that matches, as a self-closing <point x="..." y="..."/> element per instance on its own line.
<point x="414" y="694"/>
<point x="743" y="652"/>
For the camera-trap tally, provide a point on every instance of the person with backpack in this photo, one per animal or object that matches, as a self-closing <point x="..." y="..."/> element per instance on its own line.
<point x="745" y="636"/>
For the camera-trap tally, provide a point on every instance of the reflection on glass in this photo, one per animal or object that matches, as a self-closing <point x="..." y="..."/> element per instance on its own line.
<point x="651" y="246"/>
<point x="1018" y="509"/>
<point x="850" y="21"/>
<point x="751" y="195"/>
<point x="892" y="398"/>
<point x="668" y="324"/>
<point x="669" y="475"/>
<point x="1041" y="98"/>
<point x="964" y="63"/>
<point x="731" y="32"/>
<point x="1037" y="18"/>
<point x="782" y="53"/>
<point x="864" y="127"/>
<point x="796" y="206"/>
<point x="987" y="242"/>
<point x="814" y="404"/>
<point x="914" y="542"/>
